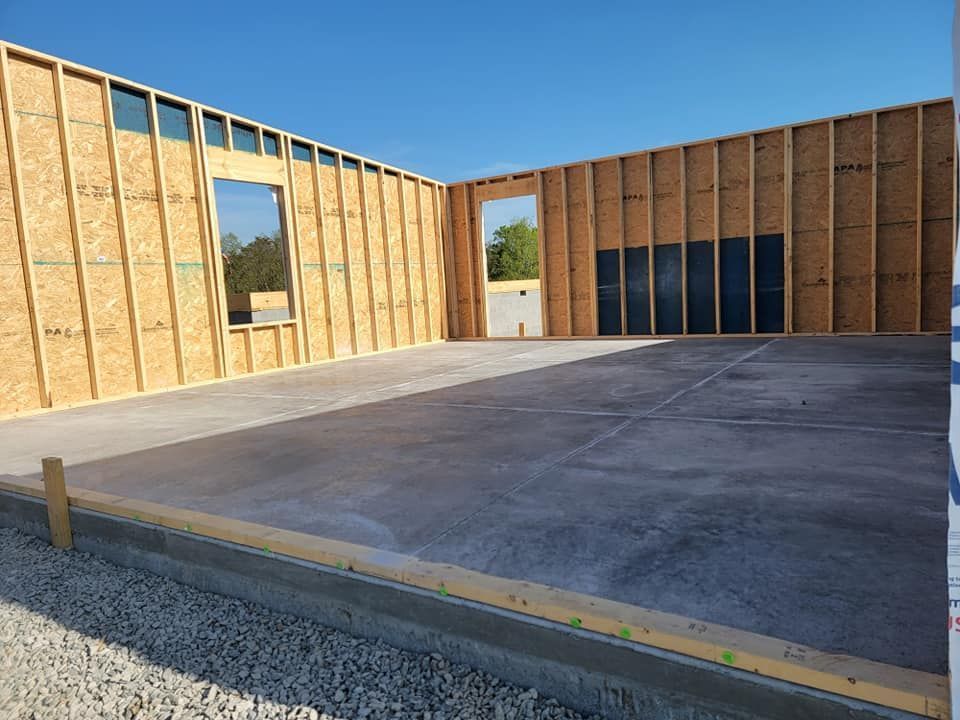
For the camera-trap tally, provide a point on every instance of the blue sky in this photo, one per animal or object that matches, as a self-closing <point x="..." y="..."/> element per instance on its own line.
<point x="245" y="209"/>
<point x="452" y="92"/>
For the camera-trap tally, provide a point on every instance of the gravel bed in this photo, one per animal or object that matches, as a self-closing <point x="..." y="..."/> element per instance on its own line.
<point x="82" y="638"/>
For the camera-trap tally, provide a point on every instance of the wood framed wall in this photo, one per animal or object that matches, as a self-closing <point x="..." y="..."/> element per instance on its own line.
<point x="111" y="278"/>
<point x="833" y="226"/>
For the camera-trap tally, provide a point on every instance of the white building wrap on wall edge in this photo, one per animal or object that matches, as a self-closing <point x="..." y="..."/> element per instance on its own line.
<point x="953" y="496"/>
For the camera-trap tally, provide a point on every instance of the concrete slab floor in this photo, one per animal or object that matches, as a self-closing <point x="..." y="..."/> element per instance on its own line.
<point x="792" y="487"/>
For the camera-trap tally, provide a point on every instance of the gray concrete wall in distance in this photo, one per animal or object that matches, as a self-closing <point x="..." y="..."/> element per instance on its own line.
<point x="592" y="673"/>
<point x="506" y="309"/>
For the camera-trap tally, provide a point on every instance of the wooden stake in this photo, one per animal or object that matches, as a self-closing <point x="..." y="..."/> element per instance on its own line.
<point x="365" y="223"/>
<point x="322" y="241"/>
<point x="424" y="283"/>
<point x="345" y="240"/>
<point x="592" y="248"/>
<point x="683" y="237"/>
<point x="26" y="260"/>
<point x="566" y="248"/>
<point x="650" y="254"/>
<point x="169" y="257"/>
<point x="622" y="246"/>
<point x="716" y="236"/>
<point x="58" y="510"/>
<point x="385" y="232"/>
<point x="830" y="221"/>
<point x="521" y="329"/>
<point x="70" y="181"/>
<point x="788" y="230"/>
<point x="406" y="261"/>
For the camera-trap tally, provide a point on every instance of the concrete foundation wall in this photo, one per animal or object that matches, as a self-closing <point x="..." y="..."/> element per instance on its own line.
<point x="583" y="670"/>
<point x="507" y="309"/>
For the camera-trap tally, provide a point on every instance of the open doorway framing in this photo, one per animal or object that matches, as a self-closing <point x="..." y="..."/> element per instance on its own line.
<point x="509" y="215"/>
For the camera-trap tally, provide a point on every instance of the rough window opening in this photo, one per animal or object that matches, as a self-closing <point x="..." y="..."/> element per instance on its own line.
<point x="244" y="138"/>
<point x="253" y="250"/>
<point x="512" y="260"/>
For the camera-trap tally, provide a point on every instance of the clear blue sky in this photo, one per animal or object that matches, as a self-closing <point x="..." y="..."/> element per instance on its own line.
<point x="455" y="91"/>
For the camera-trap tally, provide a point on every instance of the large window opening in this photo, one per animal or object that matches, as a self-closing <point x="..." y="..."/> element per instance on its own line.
<point x="512" y="256"/>
<point x="253" y="251"/>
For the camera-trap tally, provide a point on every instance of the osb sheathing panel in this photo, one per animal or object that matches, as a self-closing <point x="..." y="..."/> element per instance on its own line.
<point x="186" y="241"/>
<point x="636" y="201"/>
<point x="45" y="214"/>
<point x="556" y="254"/>
<point x="433" y="292"/>
<point x="666" y="197"/>
<point x="378" y="261"/>
<point x="333" y="239"/>
<point x="734" y="156"/>
<point x="391" y="189"/>
<point x="413" y="244"/>
<point x="580" y="253"/>
<point x="18" y="376"/>
<point x="289" y="344"/>
<point x="265" y="348"/>
<point x="97" y="216"/>
<point x="146" y="250"/>
<point x="238" y="352"/>
<point x="311" y="261"/>
<point x="937" y="241"/>
<point x="358" y="261"/>
<point x="811" y="200"/>
<point x="461" y="262"/>
<point x="699" y="168"/>
<point x="853" y="169"/>
<point x="768" y="179"/>
<point x="607" y="207"/>
<point x="896" y="220"/>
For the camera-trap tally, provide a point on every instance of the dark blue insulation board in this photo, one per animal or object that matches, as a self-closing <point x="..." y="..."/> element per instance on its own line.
<point x="608" y="292"/>
<point x="768" y="261"/>
<point x="269" y="145"/>
<point x="637" y="277"/>
<point x="735" y="285"/>
<point x="213" y="131"/>
<point x="701" y="313"/>
<point x="172" y="120"/>
<point x="668" y="286"/>
<point x="244" y="138"/>
<point x="301" y="152"/>
<point x="129" y="110"/>
<point x="325" y="158"/>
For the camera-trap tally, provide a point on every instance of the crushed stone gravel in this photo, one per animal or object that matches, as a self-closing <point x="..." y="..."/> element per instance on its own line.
<point x="82" y="638"/>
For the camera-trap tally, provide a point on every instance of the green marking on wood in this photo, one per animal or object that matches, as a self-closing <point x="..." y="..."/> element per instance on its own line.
<point x="576" y="622"/>
<point x="443" y="590"/>
<point x="188" y="527"/>
<point x="266" y="549"/>
<point x="625" y="633"/>
<point x="728" y="657"/>
<point x="339" y="564"/>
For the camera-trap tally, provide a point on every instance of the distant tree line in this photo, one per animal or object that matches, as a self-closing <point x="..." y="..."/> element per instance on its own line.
<point x="254" y="267"/>
<point x="513" y="252"/>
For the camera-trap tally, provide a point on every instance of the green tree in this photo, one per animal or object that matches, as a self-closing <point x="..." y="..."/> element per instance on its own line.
<point x="254" y="267"/>
<point x="513" y="252"/>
